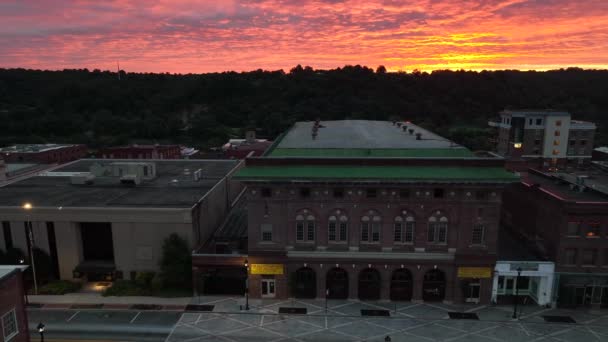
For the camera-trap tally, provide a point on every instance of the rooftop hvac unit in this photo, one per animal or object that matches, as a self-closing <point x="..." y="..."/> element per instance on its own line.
<point x="404" y="128"/>
<point x="198" y="174"/>
<point x="418" y="136"/>
<point x="130" y="179"/>
<point x="411" y="130"/>
<point x="82" y="178"/>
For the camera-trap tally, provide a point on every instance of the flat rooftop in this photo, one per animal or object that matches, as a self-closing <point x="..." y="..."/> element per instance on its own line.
<point x="535" y="112"/>
<point x="364" y="138"/>
<point x="564" y="185"/>
<point x="8" y="269"/>
<point x="173" y="187"/>
<point x="33" y="148"/>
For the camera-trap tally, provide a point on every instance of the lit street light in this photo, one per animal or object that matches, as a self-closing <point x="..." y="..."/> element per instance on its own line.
<point x="40" y="328"/>
<point x="30" y="235"/>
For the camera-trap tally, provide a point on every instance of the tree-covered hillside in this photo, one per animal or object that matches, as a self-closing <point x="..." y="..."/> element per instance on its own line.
<point x="97" y="108"/>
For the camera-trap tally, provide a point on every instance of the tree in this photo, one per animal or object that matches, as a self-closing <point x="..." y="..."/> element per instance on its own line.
<point x="381" y="70"/>
<point x="176" y="263"/>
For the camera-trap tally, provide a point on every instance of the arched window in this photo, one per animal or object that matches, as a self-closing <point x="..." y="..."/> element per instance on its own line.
<point x="337" y="227"/>
<point x="404" y="228"/>
<point x="478" y="235"/>
<point x="438" y="228"/>
<point x="305" y="227"/>
<point x="370" y="227"/>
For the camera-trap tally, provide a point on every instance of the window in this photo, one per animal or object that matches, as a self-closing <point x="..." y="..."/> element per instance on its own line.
<point x="573" y="228"/>
<point x="557" y="133"/>
<point x="371" y="193"/>
<point x="266" y="192"/>
<point x="592" y="230"/>
<point x="438" y="229"/>
<point x="337" y="228"/>
<point x="338" y="192"/>
<point x="572" y="142"/>
<point x="8" y="236"/>
<point x="606" y="257"/>
<point x="478" y="235"/>
<point x="9" y="325"/>
<point x="530" y="121"/>
<point x="570" y="256"/>
<point x="558" y="123"/>
<point x="481" y="195"/>
<point x="266" y="230"/>
<point x="583" y="142"/>
<point x="589" y="257"/>
<point x="404" y="231"/>
<point x="539" y="121"/>
<point x="403" y="193"/>
<point x="555" y="142"/>
<point x="370" y="228"/>
<point x="438" y="193"/>
<point x="537" y="142"/>
<point x="304" y="192"/>
<point x="305" y="227"/>
<point x="145" y="171"/>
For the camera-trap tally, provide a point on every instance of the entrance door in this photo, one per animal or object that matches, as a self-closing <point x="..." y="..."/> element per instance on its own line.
<point x="337" y="284"/>
<point x="433" y="286"/>
<point x="369" y="284"/>
<point x="472" y="293"/>
<point x="604" y="301"/>
<point x="268" y="288"/>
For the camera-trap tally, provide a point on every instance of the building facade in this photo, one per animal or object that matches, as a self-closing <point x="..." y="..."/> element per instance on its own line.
<point x="141" y="152"/>
<point x="565" y="216"/>
<point x="372" y="210"/>
<point x="43" y="153"/>
<point x="13" y="316"/>
<point x="544" y="138"/>
<point x="107" y="219"/>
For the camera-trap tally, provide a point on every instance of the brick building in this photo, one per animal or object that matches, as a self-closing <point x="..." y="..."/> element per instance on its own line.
<point x="43" y="153"/>
<point x="140" y="152"/>
<point x="241" y="148"/>
<point x="565" y="217"/>
<point x="543" y="139"/>
<point x="370" y="210"/>
<point x="13" y="316"/>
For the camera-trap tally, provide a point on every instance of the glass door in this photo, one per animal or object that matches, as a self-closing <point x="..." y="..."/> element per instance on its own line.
<point x="268" y="288"/>
<point x="473" y="293"/>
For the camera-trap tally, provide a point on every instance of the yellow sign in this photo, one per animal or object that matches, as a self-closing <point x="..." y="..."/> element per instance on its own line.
<point x="474" y="272"/>
<point x="266" y="269"/>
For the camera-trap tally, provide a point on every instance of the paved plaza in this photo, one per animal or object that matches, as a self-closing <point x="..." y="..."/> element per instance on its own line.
<point x="410" y="322"/>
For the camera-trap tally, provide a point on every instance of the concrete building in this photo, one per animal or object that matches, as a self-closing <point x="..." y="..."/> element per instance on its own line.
<point x="565" y="217"/>
<point x="13" y="316"/>
<point x="141" y="152"/>
<point x="241" y="148"/>
<point x="543" y="139"/>
<point x="43" y="153"/>
<point x="370" y="210"/>
<point x="106" y="219"/>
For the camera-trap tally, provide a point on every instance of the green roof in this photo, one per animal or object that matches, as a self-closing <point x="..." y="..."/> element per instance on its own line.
<point x="400" y="173"/>
<point x="360" y="152"/>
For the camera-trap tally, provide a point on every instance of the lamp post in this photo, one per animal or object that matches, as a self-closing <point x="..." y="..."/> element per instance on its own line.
<point x="21" y="262"/>
<point x="516" y="293"/>
<point x="40" y="328"/>
<point x="30" y="235"/>
<point x="326" y="295"/>
<point x="247" y="285"/>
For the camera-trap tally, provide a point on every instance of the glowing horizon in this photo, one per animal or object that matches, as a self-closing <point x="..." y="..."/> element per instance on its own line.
<point x="186" y="36"/>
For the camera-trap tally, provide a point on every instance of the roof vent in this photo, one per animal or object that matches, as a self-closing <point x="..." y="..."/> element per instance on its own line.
<point x="411" y="130"/>
<point x="84" y="178"/>
<point x="404" y="128"/>
<point x="198" y="174"/>
<point x="418" y="136"/>
<point x="130" y="179"/>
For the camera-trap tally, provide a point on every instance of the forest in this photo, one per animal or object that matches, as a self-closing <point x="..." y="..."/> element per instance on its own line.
<point x="103" y="108"/>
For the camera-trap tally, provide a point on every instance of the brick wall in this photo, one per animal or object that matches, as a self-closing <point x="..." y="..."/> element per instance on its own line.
<point x="12" y="297"/>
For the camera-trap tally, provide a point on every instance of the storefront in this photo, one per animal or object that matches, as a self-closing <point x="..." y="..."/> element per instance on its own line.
<point x="529" y="280"/>
<point x="582" y="290"/>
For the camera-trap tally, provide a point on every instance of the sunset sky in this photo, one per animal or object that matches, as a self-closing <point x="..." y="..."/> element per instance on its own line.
<point x="183" y="36"/>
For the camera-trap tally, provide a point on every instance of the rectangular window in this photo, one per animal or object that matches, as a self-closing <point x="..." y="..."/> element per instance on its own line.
<point x="555" y="142"/>
<point x="592" y="230"/>
<point x="403" y="193"/>
<point x="481" y="195"/>
<point x="478" y="234"/>
<point x="530" y="122"/>
<point x="539" y="122"/>
<point x="266" y="230"/>
<point x="371" y="193"/>
<point x="409" y="232"/>
<point x="310" y="231"/>
<point x="266" y="192"/>
<point x="364" y="231"/>
<point x="375" y="232"/>
<point x="573" y="229"/>
<point x="557" y="133"/>
<point x="570" y="256"/>
<point x="583" y="142"/>
<point x="537" y="142"/>
<point x="398" y="232"/>
<point x="9" y="325"/>
<point x="8" y="236"/>
<point x="438" y="193"/>
<point x="300" y="231"/>
<point x="572" y="142"/>
<point x="331" y="231"/>
<point x="589" y="257"/>
<point x="304" y="192"/>
<point x="338" y="192"/>
<point x="438" y="232"/>
<point x="343" y="230"/>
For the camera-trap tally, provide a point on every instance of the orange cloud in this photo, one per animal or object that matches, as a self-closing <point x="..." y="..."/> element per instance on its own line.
<point x="217" y="35"/>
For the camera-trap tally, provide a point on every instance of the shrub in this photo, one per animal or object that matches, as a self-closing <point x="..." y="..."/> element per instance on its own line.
<point x="144" y="279"/>
<point x="126" y="288"/>
<point x="176" y="263"/>
<point x="59" y="287"/>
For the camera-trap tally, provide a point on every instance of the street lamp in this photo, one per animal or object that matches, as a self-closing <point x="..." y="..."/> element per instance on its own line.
<point x="30" y="235"/>
<point x="247" y="285"/>
<point x="21" y="262"/>
<point x="516" y="293"/>
<point x="40" y="328"/>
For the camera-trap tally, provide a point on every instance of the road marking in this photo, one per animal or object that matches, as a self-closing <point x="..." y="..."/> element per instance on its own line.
<point x="72" y="317"/>
<point x="135" y="317"/>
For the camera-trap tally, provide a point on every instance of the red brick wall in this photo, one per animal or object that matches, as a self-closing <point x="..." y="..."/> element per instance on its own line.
<point x="12" y="297"/>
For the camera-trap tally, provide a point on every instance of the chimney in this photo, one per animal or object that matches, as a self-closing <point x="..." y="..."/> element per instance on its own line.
<point x="418" y="136"/>
<point x="250" y="136"/>
<point x="411" y="130"/>
<point x="398" y="124"/>
<point x="404" y="128"/>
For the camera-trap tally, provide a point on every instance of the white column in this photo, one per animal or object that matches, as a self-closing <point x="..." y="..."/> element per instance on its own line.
<point x="495" y="288"/>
